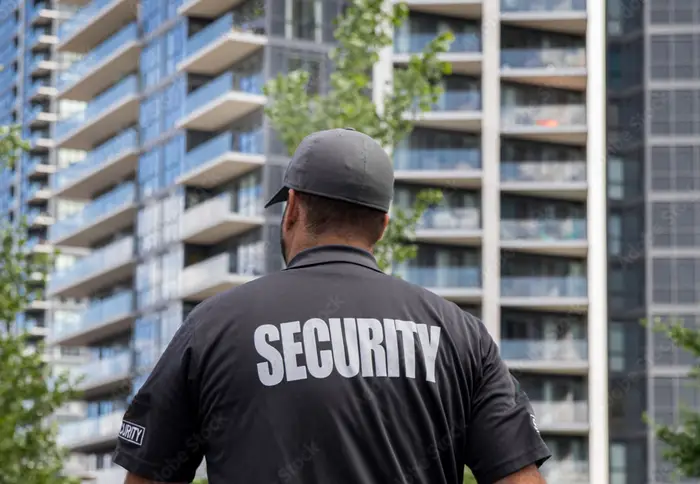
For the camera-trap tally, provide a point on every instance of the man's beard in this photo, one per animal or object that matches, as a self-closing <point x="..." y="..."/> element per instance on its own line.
<point x="283" y="246"/>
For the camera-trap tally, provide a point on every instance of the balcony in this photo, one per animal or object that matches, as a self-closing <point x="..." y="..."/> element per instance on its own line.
<point x="113" y="475"/>
<point x="37" y="192"/>
<point x="567" y="16"/>
<point x="37" y="217"/>
<point x="450" y="225"/>
<point x="223" y="43"/>
<point x="40" y="38"/>
<point x="103" y="376"/>
<point x="222" y="101"/>
<point x="567" y="357"/>
<point x="443" y="167"/>
<point x="227" y="156"/>
<point x="101" y="320"/>
<point x="42" y="14"/>
<point x="564" y="180"/>
<point x="564" y="237"/>
<point x="562" y="417"/>
<point x="217" y="274"/>
<point x="37" y="166"/>
<point x="455" y="111"/>
<point x="464" y="54"/>
<point x="545" y="293"/>
<point x="97" y="71"/>
<point x="558" y="68"/>
<point x="105" y="115"/>
<point x="219" y="219"/>
<point x="207" y="8"/>
<point x="92" y="433"/>
<point x="40" y="89"/>
<point x="115" y="159"/>
<point x="461" y="285"/>
<point x="101" y="269"/>
<point x="41" y="64"/>
<point x="38" y="116"/>
<point x="93" y="23"/>
<point x="568" y="471"/>
<point x="112" y="212"/>
<point x="470" y="9"/>
<point x="564" y="123"/>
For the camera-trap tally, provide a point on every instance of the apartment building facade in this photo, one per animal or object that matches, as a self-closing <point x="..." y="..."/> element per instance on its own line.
<point x="151" y="128"/>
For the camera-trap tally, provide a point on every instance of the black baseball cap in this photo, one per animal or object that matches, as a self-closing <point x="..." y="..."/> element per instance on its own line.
<point x="342" y="164"/>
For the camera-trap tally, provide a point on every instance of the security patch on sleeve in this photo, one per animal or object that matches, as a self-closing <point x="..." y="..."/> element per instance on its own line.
<point x="132" y="433"/>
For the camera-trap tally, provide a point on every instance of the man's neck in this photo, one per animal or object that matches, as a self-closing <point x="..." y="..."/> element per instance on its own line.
<point x="327" y="240"/>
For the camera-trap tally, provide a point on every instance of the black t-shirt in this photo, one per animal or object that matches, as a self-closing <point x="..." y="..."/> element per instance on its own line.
<point x="330" y="372"/>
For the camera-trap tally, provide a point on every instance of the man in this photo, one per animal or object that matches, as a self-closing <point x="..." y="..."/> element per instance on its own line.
<point x="330" y="371"/>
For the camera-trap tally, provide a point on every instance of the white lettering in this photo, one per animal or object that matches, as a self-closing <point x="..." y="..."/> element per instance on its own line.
<point x="348" y="346"/>
<point x="272" y="372"/>
<point x="132" y="433"/>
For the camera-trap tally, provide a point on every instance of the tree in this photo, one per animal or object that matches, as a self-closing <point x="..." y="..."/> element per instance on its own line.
<point x="683" y="441"/>
<point x="469" y="477"/>
<point x="362" y="32"/>
<point x="29" y="395"/>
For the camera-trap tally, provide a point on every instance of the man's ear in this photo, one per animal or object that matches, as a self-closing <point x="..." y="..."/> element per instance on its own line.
<point x="387" y="218"/>
<point x="292" y="210"/>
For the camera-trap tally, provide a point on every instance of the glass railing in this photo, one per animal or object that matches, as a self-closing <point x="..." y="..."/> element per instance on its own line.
<point x="550" y="116"/>
<point x="36" y="85"/>
<point x="37" y="136"/>
<point x="416" y="43"/>
<point x="442" y="277"/>
<point x="117" y="199"/>
<point x="459" y="101"/>
<point x="229" y="22"/>
<point x="98" y="55"/>
<point x="126" y="87"/>
<point x="124" y="142"/>
<point x="574" y="57"/>
<point x="544" y="286"/>
<point x="34" y="214"/>
<point x="456" y="218"/>
<point x="439" y="159"/>
<point x="100" y="370"/>
<point x="247" y="203"/>
<point x="106" y="426"/>
<point x="543" y="171"/>
<point x="35" y="33"/>
<point x="34" y="188"/>
<point x="252" y="84"/>
<point x="81" y="18"/>
<point x="561" y="412"/>
<point x="36" y="60"/>
<point x="103" y="259"/>
<point x="251" y="142"/>
<point x="98" y="312"/>
<point x="543" y="229"/>
<point x="203" y="274"/>
<point x="544" y="6"/>
<point x="34" y="162"/>
<point x="544" y="350"/>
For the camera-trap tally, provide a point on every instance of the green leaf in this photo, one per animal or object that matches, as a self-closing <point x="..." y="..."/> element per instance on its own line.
<point x="362" y="32"/>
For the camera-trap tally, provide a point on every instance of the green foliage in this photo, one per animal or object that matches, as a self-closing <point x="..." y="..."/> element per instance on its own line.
<point x="362" y="32"/>
<point x="683" y="441"/>
<point x="469" y="477"/>
<point x="28" y="393"/>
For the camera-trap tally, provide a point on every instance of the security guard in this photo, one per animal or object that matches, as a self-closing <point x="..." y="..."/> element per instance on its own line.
<point x="330" y="371"/>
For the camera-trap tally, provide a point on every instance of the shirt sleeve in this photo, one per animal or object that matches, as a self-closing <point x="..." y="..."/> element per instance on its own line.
<point x="158" y="439"/>
<point x="502" y="436"/>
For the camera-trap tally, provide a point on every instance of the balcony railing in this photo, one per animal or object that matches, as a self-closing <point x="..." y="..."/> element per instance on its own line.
<point x="122" y="196"/>
<point x="81" y="18"/>
<point x="38" y="59"/>
<point x="102" y="259"/>
<point x="230" y="22"/>
<point x="97" y="313"/>
<point x="442" y="277"/>
<point x="251" y="84"/>
<point x="561" y="412"/>
<point x="469" y="100"/>
<point x="101" y="370"/>
<point x="544" y="286"/>
<point x="126" y="87"/>
<point x="103" y="154"/>
<point x="36" y="85"/>
<point x="464" y="42"/>
<point x="98" y="55"/>
<point x="574" y="57"/>
<point x="550" y="116"/>
<point x="251" y="143"/>
<point x="543" y="171"/>
<point x="76" y="433"/>
<point x="457" y="218"/>
<point x="544" y="350"/>
<point x="440" y="159"/>
<point x="542" y="229"/>
<point x="545" y="6"/>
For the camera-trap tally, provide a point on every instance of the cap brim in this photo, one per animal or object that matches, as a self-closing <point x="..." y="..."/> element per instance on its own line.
<point x="280" y="196"/>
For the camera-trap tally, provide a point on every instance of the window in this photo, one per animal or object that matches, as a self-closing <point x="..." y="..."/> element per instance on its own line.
<point x="151" y="64"/>
<point x="618" y="463"/>
<point x="149" y="172"/>
<point x="675" y="168"/>
<point x="675" y="56"/>
<point x="671" y="278"/>
<point x="150" y="118"/>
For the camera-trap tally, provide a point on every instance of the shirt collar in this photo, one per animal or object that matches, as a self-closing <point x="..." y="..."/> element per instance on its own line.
<point x="330" y="254"/>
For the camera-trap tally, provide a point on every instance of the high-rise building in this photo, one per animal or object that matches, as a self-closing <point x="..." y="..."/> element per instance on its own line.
<point x="162" y="158"/>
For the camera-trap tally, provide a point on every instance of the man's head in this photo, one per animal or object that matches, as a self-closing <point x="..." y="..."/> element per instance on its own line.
<point x="338" y="188"/>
